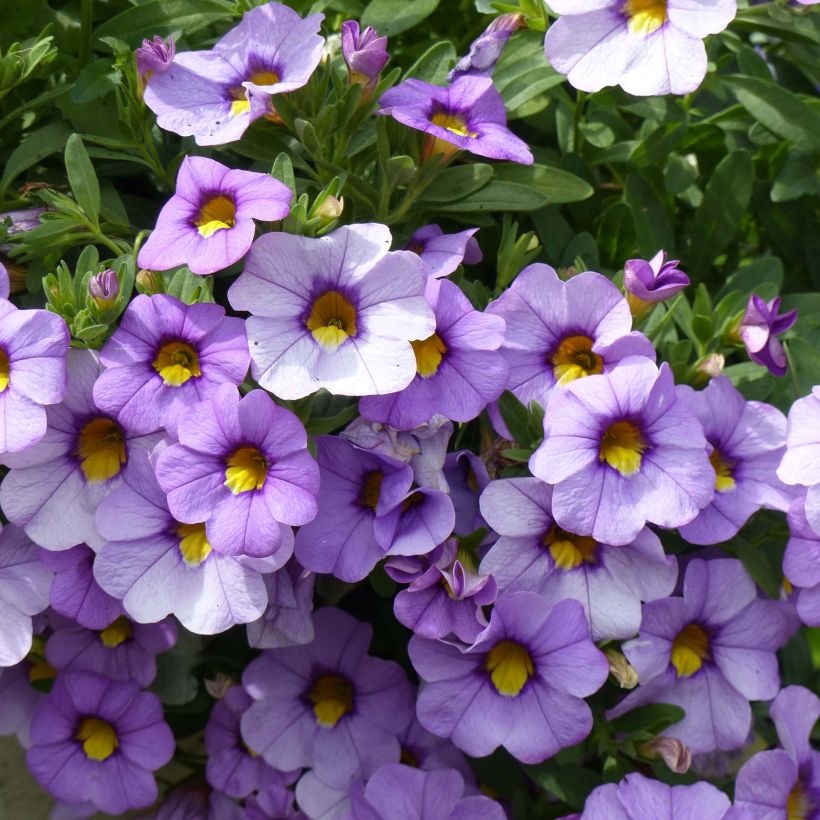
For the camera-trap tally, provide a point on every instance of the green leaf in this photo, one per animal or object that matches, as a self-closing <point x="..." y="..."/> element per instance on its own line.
<point x="164" y="17"/>
<point x="283" y="171"/>
<point x="763" y="275"/>
<point x="805" y="364"/>
<point x="434" y="64"/>
<point x="652" y="226"/>
<point x="456" y="182"/>
<point x="515" y="416"/>
<point x="571" y="784"/>
<point x="33" y="149"/>
<point x="96" y="80"/>
<point x="522" y="72"/>
<point x="654" y="718"/>
<point x="799" y="176"/>
<point x="82" y="177"/>
<point x="389" y="17"/>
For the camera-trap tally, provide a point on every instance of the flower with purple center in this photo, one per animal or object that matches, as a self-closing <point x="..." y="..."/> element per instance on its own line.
<point x="338" y="311"/>
<point x="558" y="332"/>
<point x="709" y="652"/>
<point x="327" y="705"/>
<point x="647" y="283"/>
<point x="288" y="618"/>
<point x="443" y="252"/>
<point x="622" y="451"/>
<point x="165" y="357"/>
<point x="784" y="782"/>
<point x="215" y="95"/>
<point x="99" y="741"/>
<point x="747" y="439"/>
<point x="759" y="328"/>
<point x="648" y="47"/>
<point x="365" y="54"/>
<point x="801" y="563"/>
<point x="160" y="566"/>
<point x="154" y="56"/>
<point x="458" y="367"/>
<point x="520" y="685"/>
<point x="467" y="115"/>
<point x="241" y="466"/>
<point x="487" y="47"/>
<point x="639" y="798"/>
<point x="54" y="487"/>
<point x="208" y="223"/>
<point x="33" y="348"/>
<point x="534" y="553"/>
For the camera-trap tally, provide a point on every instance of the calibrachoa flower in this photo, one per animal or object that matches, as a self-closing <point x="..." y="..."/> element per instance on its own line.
<point x="709" y="652"/>
<point x="55" y="487"/>
<point x="647" y="47"/>
<point x="466" y="477"/>
<point x="639" y="798"/>
<point x="271" y="802"/>
<point x="784" y="782"/>
<point x="208" y="223"/>
<point x="24" y="584"/>
<point x="165" y="357"/>
<point x="487" y="47"/>
<point x="5" y="285"/>
<point x="365" y="54"/>
<point x="467" y="115"/>
<point x="215" y="95"/>
<point x="424" y="750"/>
<point x="104" y="289"/>
<point x="519" y="685"/>
<point x="801" y="563"/>
<point x="19" y="701"/>
<point x="443" y="252"/>
<point x="558" y="332"/>
<point x="242" y="466"/>
<point x="647" y="283"/>
<point x="458" y="367"/>
<point x="327" y="705"/>
<point x="759" y="328"/>
<point x="33" y="348"/>
<point x="154" y="56"/>
<point x="159" y="566"/>
<point x="621" y="450"/>
<point x="288" y="619"/>
<point x="534" y="553"/>
<point x="747" y="440"/>
<point x="338" y="311"/>
<point x="194" y="800"/>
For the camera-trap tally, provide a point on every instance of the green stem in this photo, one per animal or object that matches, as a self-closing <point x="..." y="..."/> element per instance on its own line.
<point x="86" y="24"/>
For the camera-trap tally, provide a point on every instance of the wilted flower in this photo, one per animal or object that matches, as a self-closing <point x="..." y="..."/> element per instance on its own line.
<point x="155" y="56"/>
<point x="671" y="750"/>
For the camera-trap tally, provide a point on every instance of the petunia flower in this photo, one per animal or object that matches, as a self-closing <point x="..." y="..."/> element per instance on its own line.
<point x="801" y="563"/>
<point x="208" y="223"/>
<point x="558" y="332"/>
<point x="167" y="356"/>
<point x="365" y="54"/>
<point x="759" y="328"/>
<point x="99" y="741"/>
<point x="519" y="685"/>
<point x="443" y="252"/>
<point x="242" y="466"/>
<point x="534" y="553"/>
<point x="327" y="705"/>
<point x="648" y="47"/>
<point x="647" y="283"/>
<point x="467" y="115"/>
<point x="215" y="95"/>
<point x="621" y="450"/>
<point x="709" y="652"/>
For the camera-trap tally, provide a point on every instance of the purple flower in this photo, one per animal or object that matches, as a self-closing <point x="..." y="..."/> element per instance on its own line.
<point x="242" y="466"/>
<point x="638" y="798"/>
<point x="26" y="219"/>
<point x="165" y="357"/>
<point x="99" y="741"/>
<point x="458" y="367"/>
<point x="367" y="510"/>
<point x="709" y="652"/>
<point x="33" y="348"/>
<point x="288" y="620"/>
<point x="487" y="47"/>
<point x="365" y="54"/>
<point x="519" y="685"/>
<point x="648" y="47"/>
<point x="534" y="553"/>
<point x="759" y="328"/>
<point x="654" y="281"/>
<point x="215" y="95"/>
<point x="443" y="252"/>
<point x="54" y="488"/>
<point x="159" y="566"/>
<point x="19" y="701"/>
<point x="104" y="289"/>
<point x="466" y="478"/>
<point x="621" y="451"/>
<point x="208" y="223"/>
<point x="24" y="584"/>
<point x="154" y="56"/>
<point x="558" y="332"/>
<point x="784" y="782"/>
<point x="5" y="285"/>
<point x="468" y="115"/>
<point x="327" y="705"/>
<point x="272" y="802"/>
<point x="193" y="800"/>
<point x="747" y="441"/>
<point x="801" y="563"/>
<point x="338" y="311"/>
<point x="424" y="750"/>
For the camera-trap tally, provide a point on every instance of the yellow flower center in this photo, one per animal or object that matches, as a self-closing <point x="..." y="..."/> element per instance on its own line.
<point x="412" y="500"/>
<point x="98" y="738"/>
<point x="622" y="447"/>
<point x="371" y="489"/>
<point x="799" y="806"/>
<point x="193" y="543"/>
<point x="176" y="362"/>
<point x="42" y="670"/>
<point x="569" y="550"/>
<point x="332" y="697"/>
<point x="724" y="480"/>
<point x="574" y="359"/>
<point x="429" y="353"/>
<point x="332" y="320"/>
<point x="4" y="370"/>
<point x="645" y="16"/>
<point x="510" y="667"/>
<point x="689" y="650"/>
<point x="117" y="632"/>
<point x="247" y="470"/>
<point x="101" y="449"/>
<point x="454" y="123"/>
<point x="218" y="213"/>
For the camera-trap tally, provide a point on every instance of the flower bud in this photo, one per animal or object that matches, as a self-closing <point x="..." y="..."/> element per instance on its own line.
<point x="150" y="282"/>
<point x="365" y="54"/>
<point x="621" y="670"/>
<point x="218" y="686"/>
<point x="712" y="365"/>
<point x="330" y="209"/>
<point x="104" y="289"/>
<point x="647" y="283"/>
<point x="671" y="750"/>
<point x="759" y="328"/>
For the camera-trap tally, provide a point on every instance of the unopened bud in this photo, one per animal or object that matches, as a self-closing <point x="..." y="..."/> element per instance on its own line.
<point x="672" y="751"/>
<point x="712" y="365"/>
<point x="621" y="670"/>
<point x="104" y="289"/>
<point x="330" y="209"/>
<point x="149" y="282"/>
<point x="218" y="686"/>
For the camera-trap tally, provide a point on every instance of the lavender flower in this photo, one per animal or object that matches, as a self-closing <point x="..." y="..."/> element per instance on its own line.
<point x="759" y="328"/>
<point x="365" y="54"/>
<point x="443" y="252"/>
<point x="155" y="56"/>
<point x="104" y="289"/>
<point x="801" y="563"/>
<point x="485" y="50"/>
<point x="648" y="283"/>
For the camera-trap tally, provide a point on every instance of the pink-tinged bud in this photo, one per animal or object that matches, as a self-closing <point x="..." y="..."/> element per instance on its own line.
<point x="671" y="750"/>
<point x="104" y="289"/>
<point x="365" y="54"/>
<point x="759" y="328"/>
<point x="621" y="670"/>
<point x="647" y="283"/>
<point x="155" y="56"/>
<point x="218" y="686"/>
